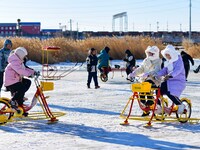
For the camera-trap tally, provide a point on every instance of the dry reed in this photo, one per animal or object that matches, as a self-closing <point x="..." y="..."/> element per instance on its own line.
<point x="77" y="50"/>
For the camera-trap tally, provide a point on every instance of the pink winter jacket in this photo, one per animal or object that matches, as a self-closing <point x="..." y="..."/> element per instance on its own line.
<point x="15" y="70"/>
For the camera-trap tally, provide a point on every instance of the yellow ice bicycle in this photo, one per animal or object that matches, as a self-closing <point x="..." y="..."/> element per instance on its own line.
<point x="160" y="111"/>
<point x="8" y="114"/>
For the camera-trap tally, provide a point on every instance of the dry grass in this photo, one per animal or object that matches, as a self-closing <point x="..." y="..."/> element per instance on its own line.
<point x="77" y="50"/>
<point x="192" y="49"/>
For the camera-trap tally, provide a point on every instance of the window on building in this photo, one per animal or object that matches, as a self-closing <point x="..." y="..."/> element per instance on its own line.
<point x="2" y="28"/>
<point x="10" y="28"/>
<point x="6" y="28"/>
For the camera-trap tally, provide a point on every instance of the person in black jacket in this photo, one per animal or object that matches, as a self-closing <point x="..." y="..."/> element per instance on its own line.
<point x="92" y="61"/>
<point x="186" y="58"/>
<point x="130" y="61"/>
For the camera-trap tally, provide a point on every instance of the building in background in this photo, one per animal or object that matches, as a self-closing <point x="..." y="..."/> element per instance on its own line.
<point x="8" y="29"/>
<point x="51" y="32"/>
<point x="30" y="28"/>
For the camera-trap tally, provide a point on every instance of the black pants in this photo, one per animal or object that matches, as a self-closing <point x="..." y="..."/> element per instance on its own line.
<point x="187" y="69"/>
<point x="94" y="76"/>
<point x="164" y="91"/>
<point x="129" y="69"/>
<point x="19" y="89"/>
<point x="1" y="80"/>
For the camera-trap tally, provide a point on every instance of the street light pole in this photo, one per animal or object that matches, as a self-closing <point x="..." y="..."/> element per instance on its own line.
<point x="190" y="20"/>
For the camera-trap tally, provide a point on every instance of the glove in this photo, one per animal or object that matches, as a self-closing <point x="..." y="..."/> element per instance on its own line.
<point x="89" y="68"/>
<point x="110" y="58"/>
<point x="37" y="73"/>
<point x="167" y="77"/>
<point x="153" y="76"/>
<point x="131" y="75"/>
<point x="145" y="75"/>
<point x="135" y="67"/>
<point x="125" y="59"/>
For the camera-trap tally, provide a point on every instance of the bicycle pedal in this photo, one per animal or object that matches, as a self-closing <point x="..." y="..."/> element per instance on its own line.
<point x="185" y="111"/>
<point x="175" y="108"/>
<point x="18" y="112"/>
<point x="25" y="114"/>
<point x="152" y="106"/>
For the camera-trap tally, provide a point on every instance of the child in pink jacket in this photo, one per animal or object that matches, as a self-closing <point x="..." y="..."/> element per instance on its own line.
<point x="13" y="76"/>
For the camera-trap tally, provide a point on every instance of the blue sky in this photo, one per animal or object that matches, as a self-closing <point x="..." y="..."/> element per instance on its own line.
<point x="96" y="15"/>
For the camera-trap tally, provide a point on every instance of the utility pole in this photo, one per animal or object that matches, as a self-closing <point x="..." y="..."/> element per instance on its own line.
<point x="77" y="31"/>
<point x="167" y="27"/>
<point x="149" y="27"/>
<point x="70" y="22"/>
<point x="190" y="20"/>
<point x="157" y="26"/>
<point x="180" y="27"/>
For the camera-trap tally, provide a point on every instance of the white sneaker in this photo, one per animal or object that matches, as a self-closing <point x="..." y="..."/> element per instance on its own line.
<point x="180" y="109"/>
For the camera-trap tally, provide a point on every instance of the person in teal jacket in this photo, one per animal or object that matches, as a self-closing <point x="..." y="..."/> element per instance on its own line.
<point x="4" y="53"/>
<point x="103" y="58"/>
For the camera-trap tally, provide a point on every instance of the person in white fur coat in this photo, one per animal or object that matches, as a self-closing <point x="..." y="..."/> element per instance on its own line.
<point x="150" y="66"/>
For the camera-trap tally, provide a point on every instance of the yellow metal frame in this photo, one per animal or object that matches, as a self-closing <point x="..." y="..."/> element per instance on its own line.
<point x="47" y="86"/>
<point x="47" y="50"/>
<point x="47" y="74"/>
<point x="156" y="118"/>
<point x="31" y="116"/>
<point x="141" y="87"/>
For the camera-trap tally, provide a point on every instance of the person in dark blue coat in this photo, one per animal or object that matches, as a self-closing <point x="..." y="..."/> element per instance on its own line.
<point x="92" y="61"/>
<point x="4" y="53"/>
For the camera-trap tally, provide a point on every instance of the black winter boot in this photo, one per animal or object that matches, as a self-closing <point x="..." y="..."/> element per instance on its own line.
<point x="14" y="105"/>
<point x="88" y="86"/>
<point x="197" y="70"/>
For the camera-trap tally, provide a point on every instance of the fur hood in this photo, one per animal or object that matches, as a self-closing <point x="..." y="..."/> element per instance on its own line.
<point x="172" y="52"/>
<point x="152" y="49"/>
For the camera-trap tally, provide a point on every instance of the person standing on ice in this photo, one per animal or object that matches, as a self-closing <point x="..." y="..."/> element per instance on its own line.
<point x="4" y="53"/>
<point x="186" y="61"/>
<point x="130" y="61"/>
<point x="92" y="61"/>
<point x="14" y="80"/>
<point x="174" y="76"/>
<point x="150" y="65"/>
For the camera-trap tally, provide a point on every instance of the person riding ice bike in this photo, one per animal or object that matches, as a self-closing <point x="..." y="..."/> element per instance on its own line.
<point x="103" y="64"/>
<point x="150" y="65"/>
<point x="14" y="77"/>
<point x="174" y="75"/>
